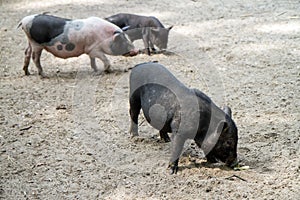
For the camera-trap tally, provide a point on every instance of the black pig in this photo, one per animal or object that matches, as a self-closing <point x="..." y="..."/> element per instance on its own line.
<point x="169" y="106"/>
<point x="150" y="29"/>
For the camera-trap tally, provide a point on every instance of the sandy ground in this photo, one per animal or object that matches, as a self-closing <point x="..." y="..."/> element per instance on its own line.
<point x="66" y="137"/>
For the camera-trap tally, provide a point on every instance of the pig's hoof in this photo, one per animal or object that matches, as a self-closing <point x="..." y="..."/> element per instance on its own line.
<point x="43" y="76"/>
<point x="108" y="71"/>
<point x="173" y="168"/>
<point x="138" y="139"/>
<point x="154" y="50"/>
<point x="134" y="134"/>
<point x="145" y="51"/>
<point x="164" y="136"/>
<point x="211" y="159"/>
<point x="166" y="140"/>
<point x="27" y="73"/>
<point x="97" y="73"/>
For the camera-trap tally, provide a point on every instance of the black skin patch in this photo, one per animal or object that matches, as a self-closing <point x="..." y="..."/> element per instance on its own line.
<point x="70" y="47"/>
<point x="46" y="27"/>
<point x="121" y="45"/>
<point x="59" y="47"/>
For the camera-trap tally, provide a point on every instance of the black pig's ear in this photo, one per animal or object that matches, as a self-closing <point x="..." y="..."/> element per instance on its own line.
<point x="227" y="110"/>
<point x="125" y="28"/>
<point x="212" y="139"/>
<point x="222" y="127"/>
<point x="221" y="133"/>
<point x="225" y="127"/>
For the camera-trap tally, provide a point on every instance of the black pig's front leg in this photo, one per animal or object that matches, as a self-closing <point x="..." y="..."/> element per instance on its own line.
<point x="177" y="146"/>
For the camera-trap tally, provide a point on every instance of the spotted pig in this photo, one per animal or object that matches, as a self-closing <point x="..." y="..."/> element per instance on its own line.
<point x="66" y="38"/>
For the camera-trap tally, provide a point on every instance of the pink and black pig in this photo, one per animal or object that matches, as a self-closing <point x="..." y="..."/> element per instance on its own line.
<point x="171" y="107"/>
<point x="66" y="38"/>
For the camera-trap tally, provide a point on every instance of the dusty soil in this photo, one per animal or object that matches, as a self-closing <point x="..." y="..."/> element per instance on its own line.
<point x="66" y="137"/>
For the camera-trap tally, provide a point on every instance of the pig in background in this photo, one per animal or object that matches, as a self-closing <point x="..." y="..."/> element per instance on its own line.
<point x="169" y="106"/>
<point x="66" y="38"/>
<point x="150" y="29"/>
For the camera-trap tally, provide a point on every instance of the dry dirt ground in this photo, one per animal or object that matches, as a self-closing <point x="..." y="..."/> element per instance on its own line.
<point x="66" y="137"/>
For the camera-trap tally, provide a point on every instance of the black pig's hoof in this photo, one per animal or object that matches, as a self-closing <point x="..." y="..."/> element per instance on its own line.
<point x="166" y="140"/>
<point x="164" y="136"/>
<point x="173" y="168"/>
<point x="211" y="159"/>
